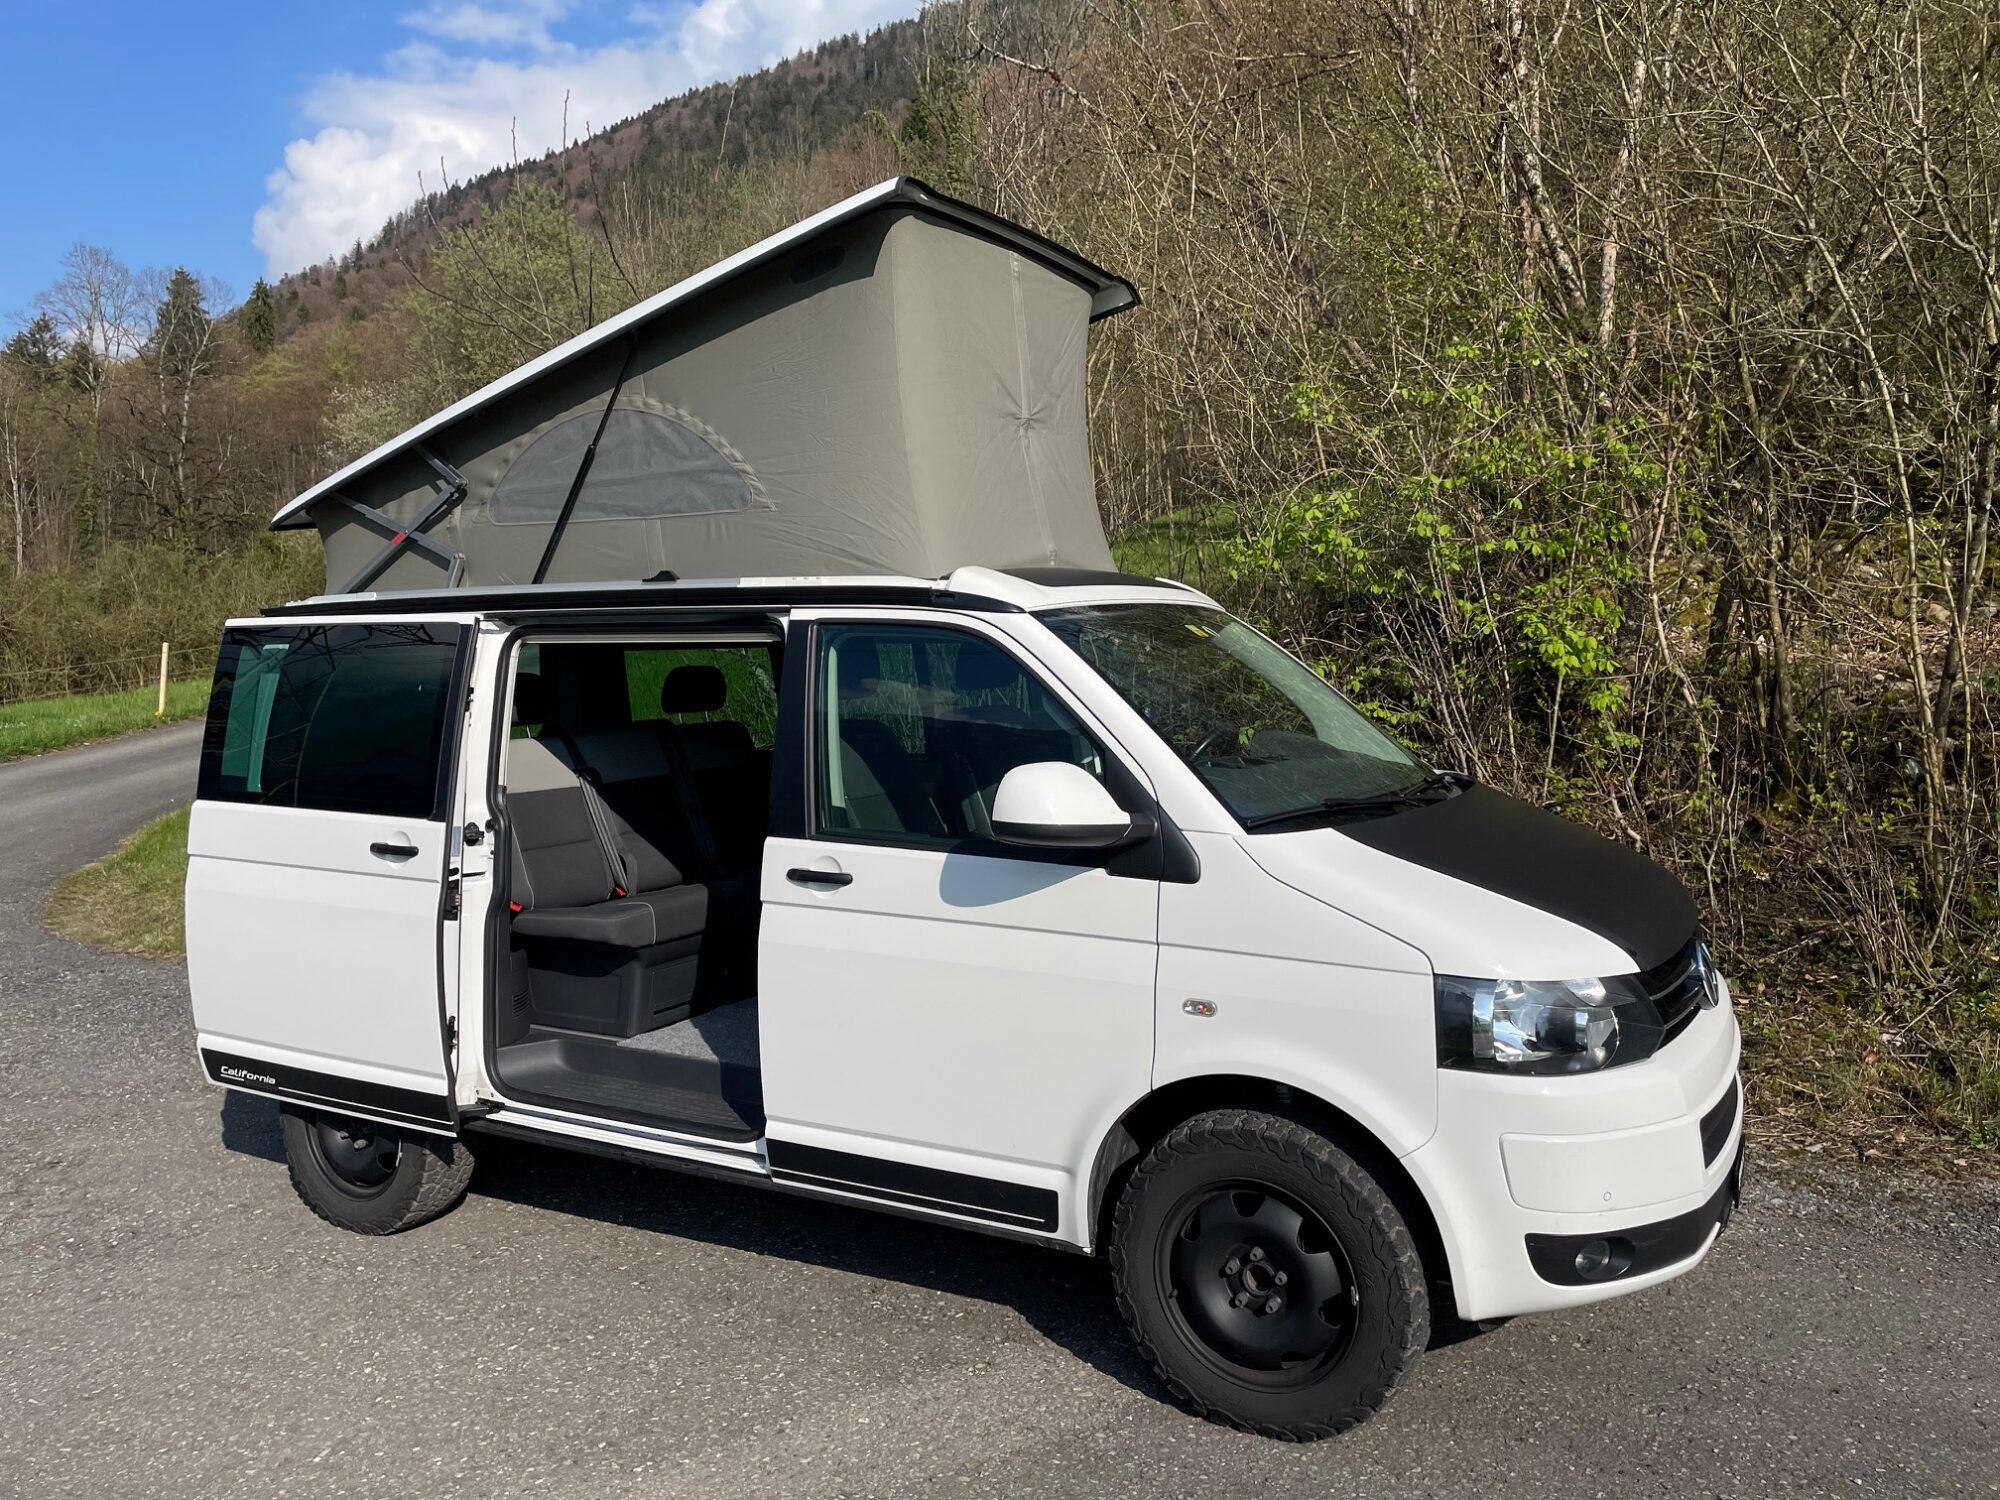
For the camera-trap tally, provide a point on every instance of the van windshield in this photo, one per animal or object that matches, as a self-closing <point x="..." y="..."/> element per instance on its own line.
<point x="1262" y="729"/>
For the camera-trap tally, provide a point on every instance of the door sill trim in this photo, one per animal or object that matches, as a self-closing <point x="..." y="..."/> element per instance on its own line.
<point x="658" y="1140"/>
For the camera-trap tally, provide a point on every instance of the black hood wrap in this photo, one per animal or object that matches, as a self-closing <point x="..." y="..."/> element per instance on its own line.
<point x="1487" y="838"/>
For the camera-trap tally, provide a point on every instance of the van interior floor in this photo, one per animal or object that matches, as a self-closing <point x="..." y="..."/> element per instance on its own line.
<point x="727" y="1035"/>
<point x="699" y="1074"/>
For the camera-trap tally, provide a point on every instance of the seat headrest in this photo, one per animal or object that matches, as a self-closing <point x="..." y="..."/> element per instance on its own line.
<point x="531" y="698"/>
<point x="693" y="689"/>
<point x="858" y="664"/>
<point x="981" y="667"/>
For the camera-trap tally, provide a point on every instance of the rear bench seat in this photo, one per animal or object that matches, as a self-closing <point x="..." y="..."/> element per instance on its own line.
<point x="619" y="948"/>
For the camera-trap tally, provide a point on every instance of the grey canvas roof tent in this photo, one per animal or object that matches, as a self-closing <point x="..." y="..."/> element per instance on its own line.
<point x="893" y="386"/>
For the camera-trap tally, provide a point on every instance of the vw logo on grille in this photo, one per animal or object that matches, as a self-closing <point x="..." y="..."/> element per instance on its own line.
<point x="1704" y="970"/>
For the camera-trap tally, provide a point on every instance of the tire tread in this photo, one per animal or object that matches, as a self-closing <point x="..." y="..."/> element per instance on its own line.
<point x="1304" y="1148"/>
<point x="444" y="1171"/>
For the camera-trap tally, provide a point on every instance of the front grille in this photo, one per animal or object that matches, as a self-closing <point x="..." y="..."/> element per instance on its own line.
<point x="1718" y="1122"/>
<point x="1676" y="988"/>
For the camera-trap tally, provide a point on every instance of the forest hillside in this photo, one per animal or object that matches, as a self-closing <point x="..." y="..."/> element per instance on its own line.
<point x="1607" y="397"/>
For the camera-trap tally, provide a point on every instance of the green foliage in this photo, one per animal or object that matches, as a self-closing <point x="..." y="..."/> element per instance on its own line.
<point x="341" y="361"/>
<point x="183" y="346"/>
<point x="518" y="282"/>
<point x="36" y="351"/>
<point x="1508" y="547"/>
<point x="98" y="626"/>
<point x="257" y="322"/>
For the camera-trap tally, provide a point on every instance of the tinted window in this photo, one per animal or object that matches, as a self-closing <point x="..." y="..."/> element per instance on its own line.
<point x="917" y="728"/>
<point x="342" y="718"/>
<point x="1262" y="729"/>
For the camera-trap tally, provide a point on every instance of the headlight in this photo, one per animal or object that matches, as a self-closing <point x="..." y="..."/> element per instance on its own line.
<point x="1524" y="1026"/>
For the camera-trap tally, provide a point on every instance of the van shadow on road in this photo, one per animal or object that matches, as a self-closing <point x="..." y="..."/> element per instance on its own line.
<point x="1066" y="1298"/>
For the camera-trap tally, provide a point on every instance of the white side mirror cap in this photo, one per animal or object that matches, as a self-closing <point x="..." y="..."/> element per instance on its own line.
<point x="1052" y="804"/>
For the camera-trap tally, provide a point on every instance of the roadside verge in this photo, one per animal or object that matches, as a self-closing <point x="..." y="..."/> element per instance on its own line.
<point x="130" y="900"/>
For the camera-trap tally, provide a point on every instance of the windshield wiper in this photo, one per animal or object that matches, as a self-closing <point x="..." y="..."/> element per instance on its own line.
<point x="1415" y="795"/>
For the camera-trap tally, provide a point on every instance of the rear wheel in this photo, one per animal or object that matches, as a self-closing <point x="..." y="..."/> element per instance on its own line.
<point x="370" y="1178"/>
<point x="1267" y="1276"/>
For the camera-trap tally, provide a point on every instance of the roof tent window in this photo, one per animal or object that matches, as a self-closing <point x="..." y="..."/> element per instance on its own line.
<point x="650" y="462"/>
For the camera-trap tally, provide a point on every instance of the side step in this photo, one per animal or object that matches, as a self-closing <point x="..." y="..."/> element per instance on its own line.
<point x="672" y="1091"/>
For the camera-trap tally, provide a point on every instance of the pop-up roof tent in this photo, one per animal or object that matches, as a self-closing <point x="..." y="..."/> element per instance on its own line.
<point x="894" y="386"/>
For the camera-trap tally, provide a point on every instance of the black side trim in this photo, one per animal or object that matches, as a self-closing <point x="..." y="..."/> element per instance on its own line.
<point x="746" y="1176"/>
<point x="327" y="1090"/>
<point x="1717" y="1123"/>
<point x="790" y="784"/>
<point x="1648" y="1247"/>
<point x="1489" y="839"/>
<point x="1008" y="1203"/>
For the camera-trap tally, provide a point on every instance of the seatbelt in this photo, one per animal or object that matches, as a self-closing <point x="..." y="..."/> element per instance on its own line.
<point x="607" y="834"/>
<point x="601" y="826"/>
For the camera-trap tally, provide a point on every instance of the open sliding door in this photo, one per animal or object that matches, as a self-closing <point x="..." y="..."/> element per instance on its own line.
<point x="319" y="860"/>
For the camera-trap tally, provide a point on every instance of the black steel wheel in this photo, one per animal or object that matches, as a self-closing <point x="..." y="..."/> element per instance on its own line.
<point x="1260" y="1284"/>
<point x="368" y="1177"/>
<point x="358" y="1156"/>
<point x="1267" y="1276"/>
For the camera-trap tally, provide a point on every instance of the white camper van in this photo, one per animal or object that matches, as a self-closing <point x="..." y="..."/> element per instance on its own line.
<point x="1013" y="893"/>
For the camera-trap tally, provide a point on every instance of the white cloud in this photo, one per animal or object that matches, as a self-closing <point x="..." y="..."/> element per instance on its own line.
<point x="478" y="81"/>
<point x="519" y="25"/>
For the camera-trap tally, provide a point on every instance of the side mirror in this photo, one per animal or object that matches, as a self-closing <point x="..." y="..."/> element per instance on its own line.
<point x="1052" y="804"/>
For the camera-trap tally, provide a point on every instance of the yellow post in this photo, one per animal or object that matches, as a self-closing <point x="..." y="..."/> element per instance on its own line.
<point x="161" y="711"/>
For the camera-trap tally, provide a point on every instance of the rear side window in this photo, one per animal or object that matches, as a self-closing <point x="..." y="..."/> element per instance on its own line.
<point x="340" y="718"/>
<point x="750" y="689"/>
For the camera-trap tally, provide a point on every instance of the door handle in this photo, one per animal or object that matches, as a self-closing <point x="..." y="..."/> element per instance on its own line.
<point x="819" y="877"/>
<point x="392" y="851"/>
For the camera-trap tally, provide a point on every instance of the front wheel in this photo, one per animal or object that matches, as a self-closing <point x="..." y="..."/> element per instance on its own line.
<point x="370" y="1178"/>
<point x="1267" y="1276"/>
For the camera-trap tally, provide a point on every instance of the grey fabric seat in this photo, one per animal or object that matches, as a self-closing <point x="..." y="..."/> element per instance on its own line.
<point x="596" y="956"/>
<point x="615" y="938"/>
<point x="634" y="921"/>
<point x="555" y="856"/>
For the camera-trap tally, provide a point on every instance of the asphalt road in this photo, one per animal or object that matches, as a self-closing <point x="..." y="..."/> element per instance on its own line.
<point x="173" y="1323"/>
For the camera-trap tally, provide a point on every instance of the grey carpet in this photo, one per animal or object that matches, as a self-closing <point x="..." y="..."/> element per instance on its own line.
<point x="727" y="1034"/>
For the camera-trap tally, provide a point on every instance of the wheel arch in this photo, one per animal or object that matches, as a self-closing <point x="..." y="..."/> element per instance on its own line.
<point x="1160" y="1111"/>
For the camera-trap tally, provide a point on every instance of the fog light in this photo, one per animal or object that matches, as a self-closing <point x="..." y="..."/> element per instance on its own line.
<point x="1602" y="1260"/>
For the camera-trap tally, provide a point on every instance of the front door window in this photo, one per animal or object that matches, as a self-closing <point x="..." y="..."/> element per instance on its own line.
<point x="918" y="726"/>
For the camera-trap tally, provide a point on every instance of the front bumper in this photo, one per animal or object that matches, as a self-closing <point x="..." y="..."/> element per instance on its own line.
<point x="1595" y="1259"/>
<point x="1523" y="1173"/>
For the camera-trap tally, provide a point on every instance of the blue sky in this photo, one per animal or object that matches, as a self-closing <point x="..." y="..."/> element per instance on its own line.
<point x="243" y="140"/>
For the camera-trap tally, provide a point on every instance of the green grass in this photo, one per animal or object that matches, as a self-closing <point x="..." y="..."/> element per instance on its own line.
<point x="45" y="724"/>
<point x="131" y="899"/>
<point x="1184" y="545"/>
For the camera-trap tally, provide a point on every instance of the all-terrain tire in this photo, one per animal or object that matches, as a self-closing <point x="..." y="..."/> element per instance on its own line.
<point x="429" y="1173"/>
<point x="1226" y="1157"/>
